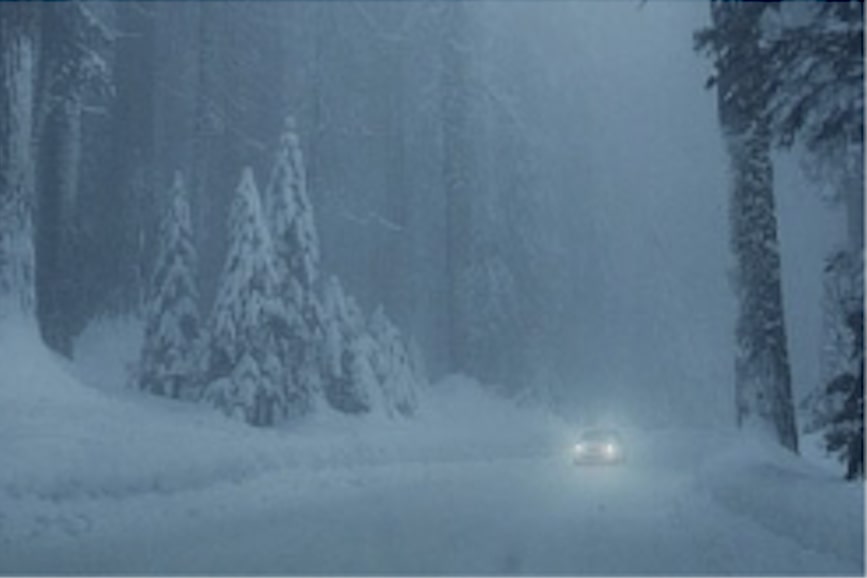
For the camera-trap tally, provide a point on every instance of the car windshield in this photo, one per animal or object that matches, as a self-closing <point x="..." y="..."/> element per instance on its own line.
<point x="599" y="436"/>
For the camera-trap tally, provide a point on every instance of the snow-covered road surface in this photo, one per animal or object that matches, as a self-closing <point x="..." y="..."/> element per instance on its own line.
<point x="537" y="515"/>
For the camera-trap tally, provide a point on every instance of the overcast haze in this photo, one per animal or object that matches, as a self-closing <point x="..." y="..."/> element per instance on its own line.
<point x="647" y="180"/>
<point x="643" y="174"/>
<point x="489" y="287"/>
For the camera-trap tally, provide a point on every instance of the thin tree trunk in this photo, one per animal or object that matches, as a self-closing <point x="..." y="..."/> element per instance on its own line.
<point x="56" y="274"/>
<point x="19" y="49"/>
<point x="456" y="176"/>
<point x="396" y="271"/>
<point x="207" y="117"/>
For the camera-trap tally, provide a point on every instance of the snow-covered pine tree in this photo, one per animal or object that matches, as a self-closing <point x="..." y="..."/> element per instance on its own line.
<point x="290" y="213"/>
<point x="296" y="247"/>
<point x="394" y="369"/>
<point x="172" y="325"/>
<point x="367" y="366"/>
<point x="245" y="372"/>
<point x="349" y="380"/>
<point x="19" y="52"/>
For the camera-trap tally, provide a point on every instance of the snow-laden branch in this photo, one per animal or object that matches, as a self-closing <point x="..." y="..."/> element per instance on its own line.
<point x="372" y="218"/>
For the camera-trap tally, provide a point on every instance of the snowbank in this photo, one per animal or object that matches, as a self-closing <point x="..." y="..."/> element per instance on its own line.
<point x="63" y="440"/>
<point x="85" y="463"/>
<point x="106" y="351"/>
<point x="788" y="496"/>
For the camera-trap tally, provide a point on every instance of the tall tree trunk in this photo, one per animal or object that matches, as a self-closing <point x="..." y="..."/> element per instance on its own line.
<point x="762" y="374"/>
<point x="57" y="242"/>
<point x="209" y="147"/>
<point x="763" y="393"/>
<point x="457" y="175"/>
<point x="322" y="31"/>
<point x="19" y="50"/>
<point x="131" y="175"/>
<point x="396" y="271"/>
<point x="854" y="195"/>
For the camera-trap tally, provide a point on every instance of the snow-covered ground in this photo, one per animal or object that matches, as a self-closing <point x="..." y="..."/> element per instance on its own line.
<point x="102" y="480"/>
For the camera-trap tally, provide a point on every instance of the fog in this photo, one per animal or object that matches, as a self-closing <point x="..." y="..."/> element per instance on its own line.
<point x="645" y="171"/>
<point x="629" y="140"/>
<point x="535" y="192"/>
<point x="492" y="287"/>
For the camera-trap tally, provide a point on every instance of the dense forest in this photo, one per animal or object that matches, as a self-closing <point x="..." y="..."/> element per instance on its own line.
<point x="334" y="202"/>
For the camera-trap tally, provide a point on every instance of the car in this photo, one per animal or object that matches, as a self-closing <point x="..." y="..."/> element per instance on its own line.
<point x="598" y="446"/>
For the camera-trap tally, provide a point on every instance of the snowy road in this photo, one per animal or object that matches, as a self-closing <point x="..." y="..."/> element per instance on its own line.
<point x="538" y="515"/>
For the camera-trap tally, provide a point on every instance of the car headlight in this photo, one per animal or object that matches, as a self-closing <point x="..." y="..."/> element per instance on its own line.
<point x="610" y="450"/>
<point x="579" y="448"/>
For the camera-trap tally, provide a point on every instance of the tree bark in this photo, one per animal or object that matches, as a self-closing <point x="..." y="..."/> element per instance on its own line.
<point x="763" y="394"/>
<point x="56" y="246"/>
<point x="457" y="175"/>
<point x="19" y="51"/>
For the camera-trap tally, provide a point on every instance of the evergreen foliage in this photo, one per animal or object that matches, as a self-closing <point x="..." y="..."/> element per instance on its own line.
<point x="349" y="379"/>
<point x="367" y="365"/>
<point x="845" y="435"/>
<point x="296" y="251"/>
<point x="815" y="81"/>
<point x="837" y="408"/>
<point x="397" y="377"/>
<point x="172" y="325"/>
<point x="245" y="371"/>
<point x="290" y="214"/>
<point x="805" y="79"/>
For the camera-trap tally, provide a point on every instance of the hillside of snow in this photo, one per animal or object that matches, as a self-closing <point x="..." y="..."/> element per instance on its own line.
<point x="63" y="439"/>
<point x="102" y="479"/>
